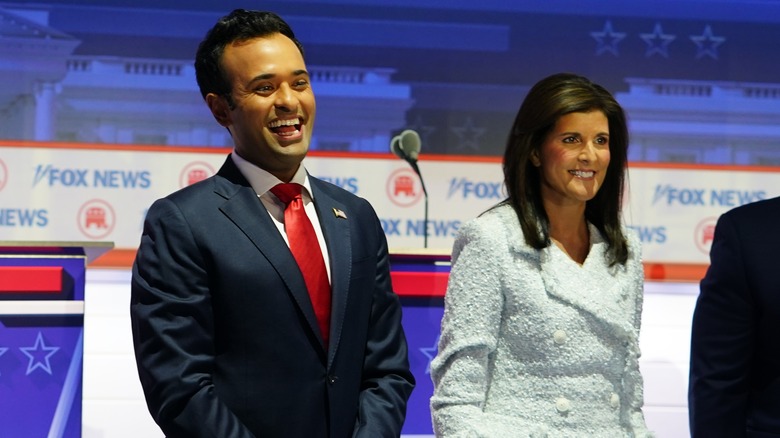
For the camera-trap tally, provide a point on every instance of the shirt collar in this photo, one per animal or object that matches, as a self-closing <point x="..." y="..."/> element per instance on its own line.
<point x="262" y="181"/>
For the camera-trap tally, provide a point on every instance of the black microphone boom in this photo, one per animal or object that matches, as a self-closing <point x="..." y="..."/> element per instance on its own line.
<point x="406" y="146"/>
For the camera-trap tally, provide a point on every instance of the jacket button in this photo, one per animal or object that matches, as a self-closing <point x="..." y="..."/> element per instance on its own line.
<point x="562" y="405"/>
<point x="614" y="400"/>
<point x="332" y="379"/>
<point x="559" y="337"/>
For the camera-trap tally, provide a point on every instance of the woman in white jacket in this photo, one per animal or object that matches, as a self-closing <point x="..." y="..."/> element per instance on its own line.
<point x="540" y="335"/>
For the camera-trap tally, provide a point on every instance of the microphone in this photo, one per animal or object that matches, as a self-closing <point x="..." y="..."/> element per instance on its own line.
<point x="406" y="146"/>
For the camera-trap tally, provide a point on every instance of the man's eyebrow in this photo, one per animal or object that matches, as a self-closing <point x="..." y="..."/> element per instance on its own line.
<point x="266" y="76"/>
<point x="262" y="77"/>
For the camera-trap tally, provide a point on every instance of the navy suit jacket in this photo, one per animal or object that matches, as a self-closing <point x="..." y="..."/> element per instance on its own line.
<point x="226" y="341"/>
<point x="735" y="340"/>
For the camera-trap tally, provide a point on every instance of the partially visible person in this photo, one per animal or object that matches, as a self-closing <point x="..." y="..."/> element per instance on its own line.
<point x="240" y="327"/>
<point x="540" y="335"/>
<point x="734" y="384"/>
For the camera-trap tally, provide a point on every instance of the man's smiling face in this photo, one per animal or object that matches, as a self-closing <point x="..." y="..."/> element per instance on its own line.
<point x="270" y="113"/>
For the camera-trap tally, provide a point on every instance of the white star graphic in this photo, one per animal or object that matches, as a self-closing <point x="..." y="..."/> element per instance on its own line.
<point x="657" y="42"/>
<point x="39" y="350"/>
<point x="608" y="39"/>
<point x="430" y="353"/>
<point x="2" y="352"/>
<point x="469" y="135"/>
<point x="707" y="43"/>
<point x="424" y="130"/>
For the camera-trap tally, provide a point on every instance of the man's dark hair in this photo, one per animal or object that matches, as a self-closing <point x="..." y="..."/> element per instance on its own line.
<point x="239" y="25"/>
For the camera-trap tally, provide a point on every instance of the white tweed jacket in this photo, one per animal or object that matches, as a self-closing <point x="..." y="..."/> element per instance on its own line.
<point x="534" y="344"/>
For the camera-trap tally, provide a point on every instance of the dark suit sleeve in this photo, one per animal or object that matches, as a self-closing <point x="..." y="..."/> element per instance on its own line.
<point x="387" y="381"/>
<point x="722" y="341"/>
<point x="173" y="330"/>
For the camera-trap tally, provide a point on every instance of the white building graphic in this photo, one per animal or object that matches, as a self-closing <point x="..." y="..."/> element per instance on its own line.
<point x="48" y="93"/>
<point x="66" y="98"/>
<point x="706" y="122"/>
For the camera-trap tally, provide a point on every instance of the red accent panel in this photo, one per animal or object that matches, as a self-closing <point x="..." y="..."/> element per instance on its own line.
<point x="420" y="284"/>
<point x="674" y="271"/>
<point x="34" y="279"/>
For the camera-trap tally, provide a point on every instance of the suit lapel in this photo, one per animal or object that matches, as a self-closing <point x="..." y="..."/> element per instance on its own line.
<point x="334" y="220"/>
<point x="584" y="287"/>
<point x="579" y="286"/>
<point x="244" y="208"/>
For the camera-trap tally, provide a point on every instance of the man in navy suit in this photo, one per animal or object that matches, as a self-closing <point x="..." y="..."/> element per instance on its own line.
<point x="734" y="381"/>
<point x="226" y="338"/>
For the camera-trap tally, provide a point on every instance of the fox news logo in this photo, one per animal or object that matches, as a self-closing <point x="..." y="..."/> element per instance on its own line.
<point x="671" y="195"/>
<point x="465" y="189"/>
<point x="104" y="178"/>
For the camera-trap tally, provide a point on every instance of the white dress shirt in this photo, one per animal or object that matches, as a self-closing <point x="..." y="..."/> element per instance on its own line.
<point x="262" y="181"/>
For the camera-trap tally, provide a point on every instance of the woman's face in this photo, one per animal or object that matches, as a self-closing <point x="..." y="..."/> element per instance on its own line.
<point x="574" y="157"/>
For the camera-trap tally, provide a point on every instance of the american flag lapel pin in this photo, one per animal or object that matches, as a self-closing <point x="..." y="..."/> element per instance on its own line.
<point x="339" y="213"/>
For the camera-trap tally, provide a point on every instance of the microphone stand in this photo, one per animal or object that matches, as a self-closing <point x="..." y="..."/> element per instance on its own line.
<point x="413" y="162"/>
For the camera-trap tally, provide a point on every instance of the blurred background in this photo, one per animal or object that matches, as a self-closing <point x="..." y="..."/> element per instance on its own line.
<point x="699" y="78"/>
<point x="106" y="89"/>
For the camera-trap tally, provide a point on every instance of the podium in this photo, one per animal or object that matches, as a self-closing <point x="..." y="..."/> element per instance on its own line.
<point x="420" y="280"/>
<point x="420" y="273"/>
<point x="41" y="336"/>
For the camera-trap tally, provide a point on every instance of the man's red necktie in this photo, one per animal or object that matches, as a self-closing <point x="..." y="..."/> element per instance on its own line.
<point x="306" y="250"/>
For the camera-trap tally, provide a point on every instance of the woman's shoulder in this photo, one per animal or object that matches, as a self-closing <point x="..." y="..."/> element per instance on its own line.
<point x="632" y="237"/>
<point x="633" y="242"/>
<point x="496" y="227"/>
<point x="498" y="221"/>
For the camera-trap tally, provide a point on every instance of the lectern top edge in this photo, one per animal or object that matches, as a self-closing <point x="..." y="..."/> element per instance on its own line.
<point x="92" y="250"/>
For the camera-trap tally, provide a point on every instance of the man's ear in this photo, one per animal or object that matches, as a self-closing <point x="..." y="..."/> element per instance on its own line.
<point x="219" y="109"/>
